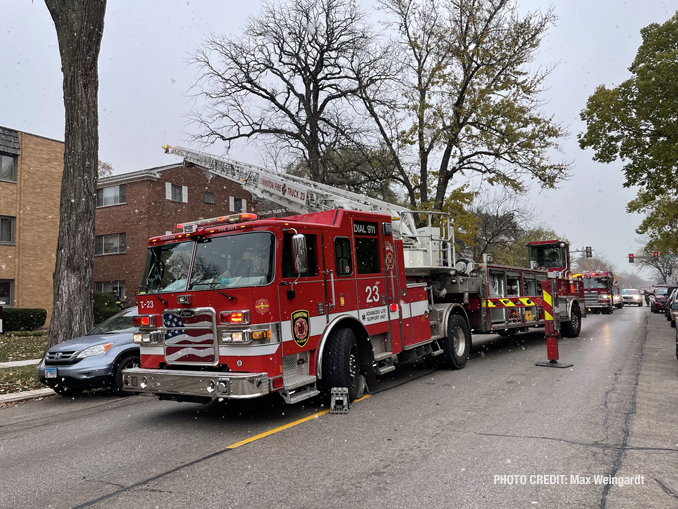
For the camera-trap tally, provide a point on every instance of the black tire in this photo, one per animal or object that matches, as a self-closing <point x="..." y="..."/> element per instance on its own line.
<point x="457" y="344"/>
<point x="640" y="304"/>
<point x="572" y="328"/>
<point x="341" y="363"/>
<point x="673" y="324"/>
<point x="131" y="361"/>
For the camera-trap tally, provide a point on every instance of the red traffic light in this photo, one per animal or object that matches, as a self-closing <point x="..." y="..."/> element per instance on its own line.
<point x="631" y="258"/>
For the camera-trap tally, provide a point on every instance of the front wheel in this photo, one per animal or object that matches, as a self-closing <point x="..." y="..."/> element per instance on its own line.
<point x="572" y="328"/>
<point x="340" y="363"/>
<point x="457" y="344"/>
<point x="131" y="361"/>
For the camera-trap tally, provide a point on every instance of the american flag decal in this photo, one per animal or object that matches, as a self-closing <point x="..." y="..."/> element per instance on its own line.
<point x="189" y="339"/>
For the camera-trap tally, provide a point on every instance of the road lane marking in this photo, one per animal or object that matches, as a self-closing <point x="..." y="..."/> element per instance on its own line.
<point x="284" y="427"/>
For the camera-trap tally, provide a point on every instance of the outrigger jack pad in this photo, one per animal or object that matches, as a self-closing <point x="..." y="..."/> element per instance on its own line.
<point x="339" y="403"/>
<point x="553" y="364"/>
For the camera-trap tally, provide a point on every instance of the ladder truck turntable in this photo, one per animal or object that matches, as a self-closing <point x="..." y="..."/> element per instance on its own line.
<point x="239" y="307"/>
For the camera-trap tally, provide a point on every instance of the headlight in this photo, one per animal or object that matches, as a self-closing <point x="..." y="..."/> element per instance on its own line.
<point x="95" y="350"/>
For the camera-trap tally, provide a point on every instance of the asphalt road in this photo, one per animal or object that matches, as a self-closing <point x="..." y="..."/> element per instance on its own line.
<point x="423" y="439"/>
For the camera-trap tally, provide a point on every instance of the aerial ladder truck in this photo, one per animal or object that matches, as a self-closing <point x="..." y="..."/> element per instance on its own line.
<point x="324" y="300"/>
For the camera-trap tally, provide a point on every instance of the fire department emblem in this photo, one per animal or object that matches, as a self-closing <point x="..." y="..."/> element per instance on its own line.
<point x="300" y="327"/>
<point x="262" y="306"/>
<point x="284" y="189"/>
<point x="390" y="261"/>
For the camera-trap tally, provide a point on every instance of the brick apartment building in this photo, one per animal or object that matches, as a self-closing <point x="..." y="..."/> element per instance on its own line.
<point x="30" y="188"/>
<point x="133" y="207"/>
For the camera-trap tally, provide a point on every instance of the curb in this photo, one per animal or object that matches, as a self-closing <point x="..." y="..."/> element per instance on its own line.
<point x="21" y="396"/>
<point x="16" y="364"/>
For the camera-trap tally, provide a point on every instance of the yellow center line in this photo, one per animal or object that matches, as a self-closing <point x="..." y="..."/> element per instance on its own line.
<point x="284" y="427"/>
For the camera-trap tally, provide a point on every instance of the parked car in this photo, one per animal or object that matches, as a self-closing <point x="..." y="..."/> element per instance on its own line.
<point x="95" y="360"/>
<point x="617" y="300"/>
<point x="658" y="298"/>
<point x="669" y="300"/>
<point x="632" y="296"/>
<point x="673" y="310"/>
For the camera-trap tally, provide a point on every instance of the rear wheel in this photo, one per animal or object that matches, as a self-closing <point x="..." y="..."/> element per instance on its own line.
<point x="340" y="363"/>
<point x="572" y="328"/>
<point x="457" y="344"/>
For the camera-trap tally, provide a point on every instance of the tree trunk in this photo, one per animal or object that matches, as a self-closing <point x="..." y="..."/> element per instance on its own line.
<point x="79" y="26"/>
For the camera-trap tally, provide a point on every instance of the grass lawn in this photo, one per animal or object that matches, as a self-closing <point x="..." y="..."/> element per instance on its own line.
<point x="20" y="346"/>
<point x="23" y="378"/>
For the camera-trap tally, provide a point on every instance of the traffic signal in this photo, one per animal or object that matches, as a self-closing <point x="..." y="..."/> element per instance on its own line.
<point x="631" y="260"/>
<point x="589" y="252"/>
<point x="655" y="255"/>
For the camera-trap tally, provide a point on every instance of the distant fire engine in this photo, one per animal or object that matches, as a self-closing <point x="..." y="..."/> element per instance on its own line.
<point x="240" y="307"/>
<point x="598" y="290"/>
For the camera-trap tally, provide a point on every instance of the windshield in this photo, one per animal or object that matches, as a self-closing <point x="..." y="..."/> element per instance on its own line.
<point x="546" y="256"/>
<point x="121" y="322"/>
<point x="233" y="261"/>
<point x="166" y="268"/>
<point x="661" y="291"/>
<point x="630" y="292"/>
<point x="596" y="282"/>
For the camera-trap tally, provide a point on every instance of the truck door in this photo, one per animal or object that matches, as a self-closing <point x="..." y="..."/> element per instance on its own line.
<point x="372" y="283"/>
<point x="302" y="309"/>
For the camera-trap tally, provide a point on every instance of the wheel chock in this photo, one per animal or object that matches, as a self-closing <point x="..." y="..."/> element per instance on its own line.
<point x="553" y="364"/>
<point x="339" y="404"/>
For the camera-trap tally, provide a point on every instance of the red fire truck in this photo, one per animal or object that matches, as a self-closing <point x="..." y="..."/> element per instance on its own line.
<point x="240" y="307"/>
<point x="598" y="290"/>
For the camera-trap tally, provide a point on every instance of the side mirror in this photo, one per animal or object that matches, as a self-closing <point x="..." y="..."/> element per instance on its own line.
<point x="300" y="253"/>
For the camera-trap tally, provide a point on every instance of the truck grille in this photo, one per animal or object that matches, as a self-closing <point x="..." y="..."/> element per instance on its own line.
<point x="590" y="298"/>
<point x="190" y="337"/>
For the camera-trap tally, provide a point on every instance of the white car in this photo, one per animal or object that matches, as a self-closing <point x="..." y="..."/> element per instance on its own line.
<point x="632" y="296"/>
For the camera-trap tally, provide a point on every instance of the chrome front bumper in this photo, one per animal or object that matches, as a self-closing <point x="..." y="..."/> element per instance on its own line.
<point x="210" y="384"/>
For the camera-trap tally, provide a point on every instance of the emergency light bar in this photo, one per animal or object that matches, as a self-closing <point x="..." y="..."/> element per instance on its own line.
<point x="213" y="221"/>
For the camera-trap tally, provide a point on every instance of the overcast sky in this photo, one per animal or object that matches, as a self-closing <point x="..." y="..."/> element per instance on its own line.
<point x="145" y="81"/>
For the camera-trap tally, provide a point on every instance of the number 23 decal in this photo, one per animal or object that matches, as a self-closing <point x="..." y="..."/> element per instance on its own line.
<point x="372" y="294"/>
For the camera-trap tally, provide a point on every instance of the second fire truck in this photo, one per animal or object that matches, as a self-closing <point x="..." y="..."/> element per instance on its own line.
<point x="240" y="307"/>
<point x="598" y="291"/>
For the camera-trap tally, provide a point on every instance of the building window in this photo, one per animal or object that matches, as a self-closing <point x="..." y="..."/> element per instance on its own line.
<point x="7" y="167"/>
<point x="7" y="230"/>
<point x="176" y="193"/>
<point x="111" y="287"/>
<point x="209" y="198"/>
<point x="237" y="204"/>
<point x="110" y="244"/>
<point x="113" y="195"/>
<point x="6" y="292"/>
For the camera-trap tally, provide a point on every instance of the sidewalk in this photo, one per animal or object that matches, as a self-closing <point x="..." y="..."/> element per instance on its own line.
<point x="22" y="396"/>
